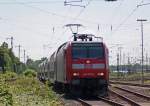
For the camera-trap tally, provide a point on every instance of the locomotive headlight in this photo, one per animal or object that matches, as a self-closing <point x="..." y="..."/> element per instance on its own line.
<point x="75" y="74"/>
<point x="100" y="74"/>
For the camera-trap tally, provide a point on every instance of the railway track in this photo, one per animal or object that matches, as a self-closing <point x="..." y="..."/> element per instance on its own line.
<point x="100" y="101"/>
<point x="118" y="96"/>
<point x="83" y="102"/>
<point x="132" y="102"/>
<point x="135" y="93"/>
<point x="126" y="83"/>
<point x="111" y="102"/>
<point x="133" y="98"/>
<point x="119" y="100"/>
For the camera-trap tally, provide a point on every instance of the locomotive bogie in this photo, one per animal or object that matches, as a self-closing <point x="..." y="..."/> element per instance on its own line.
<point x="90" y="86"/>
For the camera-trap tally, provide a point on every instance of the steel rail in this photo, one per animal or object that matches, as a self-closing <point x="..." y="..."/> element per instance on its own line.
<point x="126" y="98"/>
<point x="126" y="83"/>
<point x="110" y="102"/>
<point x="83" y="102"/>
<point x="135" y="93"/>
<point x="113" y="103"/>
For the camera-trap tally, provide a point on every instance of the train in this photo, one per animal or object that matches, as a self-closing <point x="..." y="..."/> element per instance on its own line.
<point x="78" y="67"/>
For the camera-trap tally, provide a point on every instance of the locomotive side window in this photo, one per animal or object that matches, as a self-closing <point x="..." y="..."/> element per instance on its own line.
<point x="88" y="50"/>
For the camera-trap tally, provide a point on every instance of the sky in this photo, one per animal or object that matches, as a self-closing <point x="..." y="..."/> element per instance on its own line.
<point x="38" y="25"/>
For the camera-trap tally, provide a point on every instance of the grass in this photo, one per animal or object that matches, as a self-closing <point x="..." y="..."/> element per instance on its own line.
<point x="26" y="91"/>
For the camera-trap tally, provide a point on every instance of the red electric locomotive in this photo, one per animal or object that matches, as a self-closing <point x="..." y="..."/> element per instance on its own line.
<point x="80" y="67"/>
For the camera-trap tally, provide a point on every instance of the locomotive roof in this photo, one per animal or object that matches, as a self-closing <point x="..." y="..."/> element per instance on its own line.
<point x="86" y="42"/>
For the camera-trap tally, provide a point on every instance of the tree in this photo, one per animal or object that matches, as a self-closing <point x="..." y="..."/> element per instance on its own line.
<point x="7" y="58"/>
<point x="34" y="64"/>
<point x="4" y="45"/>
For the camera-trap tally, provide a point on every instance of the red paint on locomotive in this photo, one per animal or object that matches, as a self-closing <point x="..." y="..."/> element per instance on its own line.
<point x="67" y="69"/>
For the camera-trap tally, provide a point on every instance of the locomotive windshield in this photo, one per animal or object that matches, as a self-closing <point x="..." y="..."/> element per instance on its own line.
<point x="87" y="50"/>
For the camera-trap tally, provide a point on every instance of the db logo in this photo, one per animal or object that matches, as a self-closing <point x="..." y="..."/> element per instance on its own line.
<point x="87" y="61"/>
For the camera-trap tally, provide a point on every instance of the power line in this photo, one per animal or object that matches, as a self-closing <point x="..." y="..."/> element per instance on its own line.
<point x="56" y="14"/>
<point x="83" y="9"/>
<point x="77" y="16"/>
<point x="114" y="12"/>
<point x="60" y="15"/>
<point x="42" y="10"/>
<point x="125" y="20"/>
<point x="132" y="12"/>
<point x="34" y="2"/>
<point x="53" y="13"/>
<point x="143" y="4"/>
<point x="70" y="3"/>
<point x="41" y="2"/>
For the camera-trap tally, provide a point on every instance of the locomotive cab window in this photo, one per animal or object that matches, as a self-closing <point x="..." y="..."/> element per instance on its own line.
<point x="87" y="50"/>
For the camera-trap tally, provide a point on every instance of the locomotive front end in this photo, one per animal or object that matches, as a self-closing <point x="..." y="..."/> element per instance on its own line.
<point x="89" y="67"/>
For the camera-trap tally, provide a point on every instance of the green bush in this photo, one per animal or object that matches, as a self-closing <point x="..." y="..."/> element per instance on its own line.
<point x="29" y="73"/>
<point x="26" y="91"/>
<point x="10" y="74"/>
<point x="5" y="95"/>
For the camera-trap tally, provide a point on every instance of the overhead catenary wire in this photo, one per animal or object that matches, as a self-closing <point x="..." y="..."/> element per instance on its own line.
<point x="6" y="36"/>
<point x="39" y="2"/>
<point x="116" y="8"/>
<point x="143" y="4"/>
<point x="32" y="2"/>
<point x="56" y="14"/>
<point x="56" y="29"/>
<point x="25" y="4"/>
<point x="119" y="6"/>
<point x="132" y="12"/>
<point x="53" y="29"/>
<point x="70" y="3"/>
<point x="114" y="14"/>
<point x="64" y="20"/>
<point x="37" y="8"/>
<point x="81" y="11"/>
<point x="60" y="15"/>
